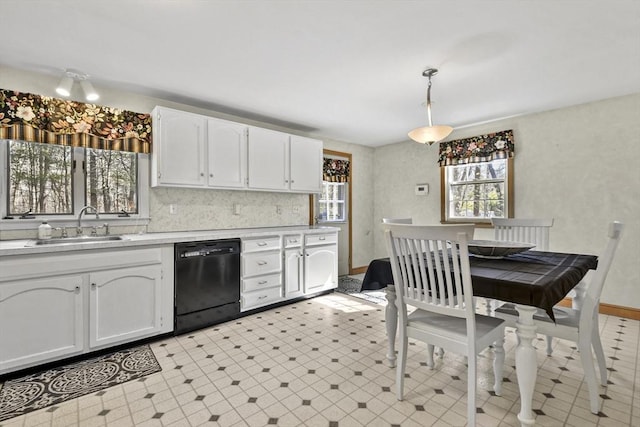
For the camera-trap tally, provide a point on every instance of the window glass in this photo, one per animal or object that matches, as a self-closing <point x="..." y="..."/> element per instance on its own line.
<point x="40" y="178"/>
<point x="476" y="191"/>
<point x="332" y="206"/>
<point x="111" y="181"/>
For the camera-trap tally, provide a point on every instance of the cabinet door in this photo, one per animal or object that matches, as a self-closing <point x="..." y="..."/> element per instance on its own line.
<point x="227" y="144"/>
<point x="124" y="304"/>
<point x="305" y="164"/>
<point x="320" y="268"/>
<point x="40" y="320"/>
<point x="293" y="273"/>
<point x="268" y="159"/>
<point x="180" y="148"/>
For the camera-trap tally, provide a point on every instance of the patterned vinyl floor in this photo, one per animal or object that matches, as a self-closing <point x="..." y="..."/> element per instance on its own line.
<point x="321" y="362"/>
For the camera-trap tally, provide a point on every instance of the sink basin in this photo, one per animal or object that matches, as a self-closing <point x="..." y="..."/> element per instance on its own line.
<point x="75" y="240"/>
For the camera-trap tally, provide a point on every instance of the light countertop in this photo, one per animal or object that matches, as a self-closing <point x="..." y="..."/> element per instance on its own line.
<point x="24" y="247"/>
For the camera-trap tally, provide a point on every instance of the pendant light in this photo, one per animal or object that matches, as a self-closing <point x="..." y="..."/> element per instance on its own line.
<point x="430" y="134"/>
<point x="69" y="78"/>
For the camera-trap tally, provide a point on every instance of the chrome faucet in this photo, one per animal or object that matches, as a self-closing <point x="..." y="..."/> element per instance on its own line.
<point x="83" y="210"/>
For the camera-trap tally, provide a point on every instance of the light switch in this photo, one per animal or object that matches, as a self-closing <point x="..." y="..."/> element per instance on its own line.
<point x="173" y="209"/>
<point x="422" y="189"/>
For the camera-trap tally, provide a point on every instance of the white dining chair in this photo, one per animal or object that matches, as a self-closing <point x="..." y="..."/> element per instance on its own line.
<point x="437" y="283"/>
<point x="579" y="324"/>
<point x="397" y="221"/>
<point x="523" y="230"/>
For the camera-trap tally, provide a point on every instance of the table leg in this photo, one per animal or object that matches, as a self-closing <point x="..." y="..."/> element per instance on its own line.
<point x="526" y="363"/>
<point x="391" y="321"/>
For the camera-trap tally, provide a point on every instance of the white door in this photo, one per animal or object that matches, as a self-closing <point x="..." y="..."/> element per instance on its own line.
<point x="124" y="304"/>
<point x="268" y="159"/>
<point x="293" y="273"/>
<point x="320" y="268"/>
<point x="181" y="148"/>
<point x="305" y="164"/>
<point x="40" y="320"/>
<point x="227" y="153"/>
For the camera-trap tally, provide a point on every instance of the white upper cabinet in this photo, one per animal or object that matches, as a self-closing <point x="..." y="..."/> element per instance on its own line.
<point x="268" y="159"/>
<point x="179" y="148"/>
<point x="227" y="157"/>
<point x="191" y="150"/>
<point x="283" y="162"/>
<point x="305" y="159"/>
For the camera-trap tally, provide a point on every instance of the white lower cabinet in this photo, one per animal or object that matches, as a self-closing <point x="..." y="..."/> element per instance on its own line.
<point x="40" y="320"/>
<point x="320" y="262"/>
<point x="58" y="305"/>
<point x="293" y="280"/>
<point x="124" y="305"/>
<point x="261" y="272"/>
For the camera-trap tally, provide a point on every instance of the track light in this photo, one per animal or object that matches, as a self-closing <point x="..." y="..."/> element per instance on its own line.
<point x="89" y="92"/>
<point x="64" y="88"/>
<point x="70" y="76"/>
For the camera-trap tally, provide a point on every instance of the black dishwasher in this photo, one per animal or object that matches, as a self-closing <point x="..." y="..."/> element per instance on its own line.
<point x="207" y="283"/>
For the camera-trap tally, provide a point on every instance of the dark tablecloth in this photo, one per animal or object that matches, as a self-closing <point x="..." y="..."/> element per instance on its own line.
<point x="539" y="279"/>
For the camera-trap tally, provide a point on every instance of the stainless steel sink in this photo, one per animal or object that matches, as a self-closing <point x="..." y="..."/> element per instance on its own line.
<point x="75" y="240"/>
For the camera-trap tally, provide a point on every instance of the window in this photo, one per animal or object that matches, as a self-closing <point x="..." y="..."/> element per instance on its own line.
<point x="332" y="204"/>
<point x="477" y="192"/>
<point x="57" y="181"/>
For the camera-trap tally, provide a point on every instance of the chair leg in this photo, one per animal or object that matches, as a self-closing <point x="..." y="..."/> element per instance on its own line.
<point x="471" y="391"/>
<point x="430" y="356"/>
<point x="549" y="345"/>
<point x="597" y="349"/>
<point x="498" y="365"/>
<point x="584" y="346"/>
<point x="402" y="364"/>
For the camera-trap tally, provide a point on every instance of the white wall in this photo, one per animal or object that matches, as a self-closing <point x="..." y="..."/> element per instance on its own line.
<point x="577" y="165"/>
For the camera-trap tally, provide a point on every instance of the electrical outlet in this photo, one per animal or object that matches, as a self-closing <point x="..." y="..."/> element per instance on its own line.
<point x="236" y="209"/>
<point x="279" y="209"/>
<point x="173" y="209"/>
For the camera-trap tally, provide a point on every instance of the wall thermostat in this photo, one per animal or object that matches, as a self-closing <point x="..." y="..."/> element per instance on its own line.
<point x="422" y="189"/>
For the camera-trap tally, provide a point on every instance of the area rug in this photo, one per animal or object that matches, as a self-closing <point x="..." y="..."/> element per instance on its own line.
<point x="54" y="386"/>
<point x="351" y="286"/>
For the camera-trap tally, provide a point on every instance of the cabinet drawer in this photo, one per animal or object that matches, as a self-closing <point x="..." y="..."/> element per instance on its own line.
<point x="261" y="282"/>
<point x="263" y="244"/>
<point x="261" y="263"/>
<point x="292" y="241"/>
<point x="320" y="239"/>
<point x="261" y="298"/>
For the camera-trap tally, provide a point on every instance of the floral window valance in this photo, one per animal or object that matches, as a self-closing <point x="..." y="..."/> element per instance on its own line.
<point x="482" y="148"/>
<point x="335" y="170"/>
<point x="34" y="118"/>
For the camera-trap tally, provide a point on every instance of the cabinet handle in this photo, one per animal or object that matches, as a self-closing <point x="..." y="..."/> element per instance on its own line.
<point x="262" y="297"/>
<point x="292" y="181"/>
<point x="210" y="175"/>
<point x="293" y="241"/>
<point x="262" y="262"/>
<point x="262" y="282"/>
<point x="262" y="243"/>
<point x="201" y="173"/>
<point x="77" y="289"/>
<point x="93" y="285"/>
<point x="322" y="238"/>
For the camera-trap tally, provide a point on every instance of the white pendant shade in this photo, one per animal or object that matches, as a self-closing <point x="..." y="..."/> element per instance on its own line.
<point x="430" y="134"/>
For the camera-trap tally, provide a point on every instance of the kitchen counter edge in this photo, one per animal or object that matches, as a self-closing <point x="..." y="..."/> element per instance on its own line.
<point x="20" y="247"/>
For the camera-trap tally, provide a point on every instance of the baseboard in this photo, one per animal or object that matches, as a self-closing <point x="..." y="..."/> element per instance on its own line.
<point x="358" y="270"/>
<point x="611" y="309"/>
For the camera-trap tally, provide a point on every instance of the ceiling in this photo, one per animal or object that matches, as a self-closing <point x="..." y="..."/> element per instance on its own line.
<point x="345" y="70"/>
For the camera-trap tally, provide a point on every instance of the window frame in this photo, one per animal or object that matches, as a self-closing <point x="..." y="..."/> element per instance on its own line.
<point x="344" y="200"/>
<point x="485" y="222"/>
<point x="79" y="192"/>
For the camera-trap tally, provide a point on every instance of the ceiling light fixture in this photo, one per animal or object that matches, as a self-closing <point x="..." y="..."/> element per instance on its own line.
<point x="70" y="76"/>
<point x="430" y="134"/>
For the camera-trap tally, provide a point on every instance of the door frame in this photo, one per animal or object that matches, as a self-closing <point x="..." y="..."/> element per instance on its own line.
<point x="312" y="206"/>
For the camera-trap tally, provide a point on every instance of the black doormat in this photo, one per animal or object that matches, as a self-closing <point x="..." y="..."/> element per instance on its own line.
<point x="54" y="386"/>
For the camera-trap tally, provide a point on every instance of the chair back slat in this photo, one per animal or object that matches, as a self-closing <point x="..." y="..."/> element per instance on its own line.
<point x="430" y="266"/>
<point x="523" y="230"/>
